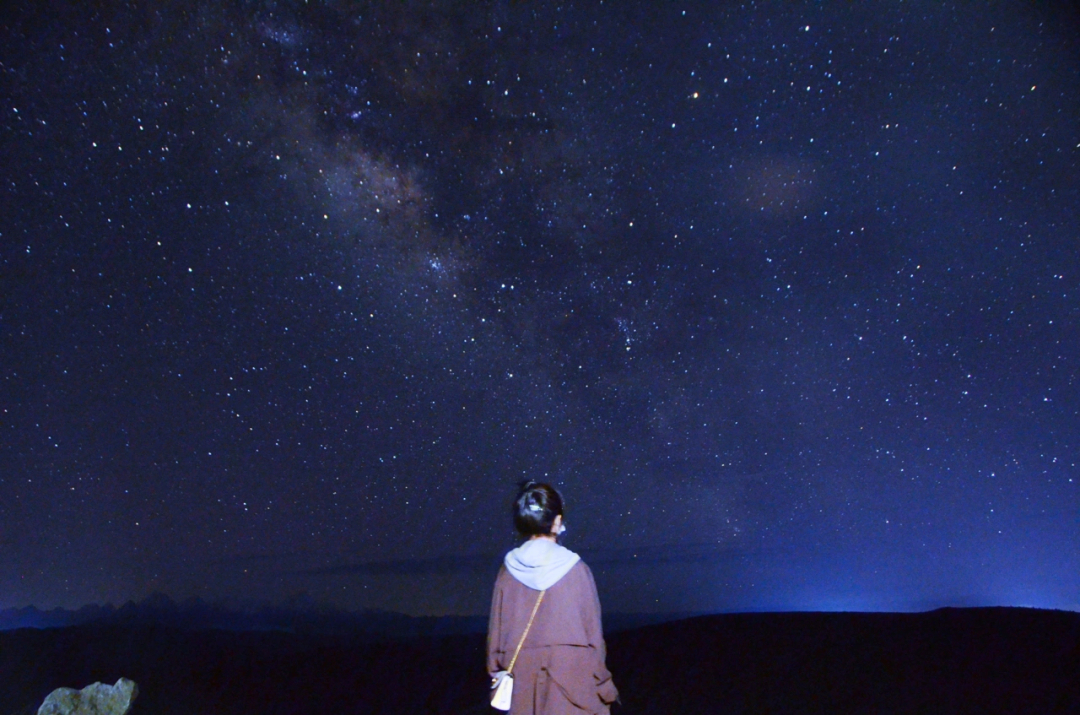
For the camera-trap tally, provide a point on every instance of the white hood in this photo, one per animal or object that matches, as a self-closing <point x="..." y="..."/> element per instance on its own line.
<point x="540" y="563"/>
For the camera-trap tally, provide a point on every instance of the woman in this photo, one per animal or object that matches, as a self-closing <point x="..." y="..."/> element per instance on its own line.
<point x="560" y="667"/>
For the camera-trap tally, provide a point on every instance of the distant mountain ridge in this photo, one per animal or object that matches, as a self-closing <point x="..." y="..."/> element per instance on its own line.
<point x="299" y="614"/>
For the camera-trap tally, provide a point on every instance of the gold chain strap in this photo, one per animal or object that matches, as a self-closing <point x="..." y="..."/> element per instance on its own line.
<point x="527" y="627"/>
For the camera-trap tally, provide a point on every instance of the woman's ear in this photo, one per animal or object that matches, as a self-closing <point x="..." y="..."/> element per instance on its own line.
<point x="556" y="526"/>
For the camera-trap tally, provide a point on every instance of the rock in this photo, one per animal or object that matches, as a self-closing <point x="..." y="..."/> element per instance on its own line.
<point x="96" y="699"/>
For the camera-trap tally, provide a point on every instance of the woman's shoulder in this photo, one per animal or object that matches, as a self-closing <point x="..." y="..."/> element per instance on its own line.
<point x="578" y="573"/>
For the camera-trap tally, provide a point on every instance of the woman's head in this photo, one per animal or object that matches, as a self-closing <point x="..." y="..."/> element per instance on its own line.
<point x="536" y="508"/>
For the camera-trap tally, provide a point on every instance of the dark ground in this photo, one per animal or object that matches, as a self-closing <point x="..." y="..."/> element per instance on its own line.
<point x="997" y="660"/>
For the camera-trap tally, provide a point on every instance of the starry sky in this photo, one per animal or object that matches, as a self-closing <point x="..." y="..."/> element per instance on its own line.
<point x="783" y="296"/>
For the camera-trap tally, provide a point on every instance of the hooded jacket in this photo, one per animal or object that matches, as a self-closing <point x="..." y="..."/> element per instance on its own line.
<point x="561" y="668"/>
<point x="540" y="563"/>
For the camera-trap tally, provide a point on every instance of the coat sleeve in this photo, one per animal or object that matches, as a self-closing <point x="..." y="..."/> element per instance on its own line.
<point x="605" y="687"/>
<point x="494" y="637"/>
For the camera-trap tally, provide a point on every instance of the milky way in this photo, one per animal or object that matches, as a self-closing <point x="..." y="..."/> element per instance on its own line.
<point x="783" y="298"/>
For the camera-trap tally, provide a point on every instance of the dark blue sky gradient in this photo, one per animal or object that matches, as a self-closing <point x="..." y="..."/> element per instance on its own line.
<point x="783" y="296"/>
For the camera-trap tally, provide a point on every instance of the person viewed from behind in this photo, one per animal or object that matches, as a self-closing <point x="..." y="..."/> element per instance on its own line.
<point x="546" y="593"/>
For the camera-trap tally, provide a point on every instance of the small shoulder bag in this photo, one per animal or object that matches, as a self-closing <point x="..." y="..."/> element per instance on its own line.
<point x="502" y="685"/>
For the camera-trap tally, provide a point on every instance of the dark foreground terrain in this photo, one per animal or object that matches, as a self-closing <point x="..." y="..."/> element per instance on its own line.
<point x="996" y="660"/>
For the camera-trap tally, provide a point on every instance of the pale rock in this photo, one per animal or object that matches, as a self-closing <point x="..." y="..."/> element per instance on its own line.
<point x="96" y="699"/>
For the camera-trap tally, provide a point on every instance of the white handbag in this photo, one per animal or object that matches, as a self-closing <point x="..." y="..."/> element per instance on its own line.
<point x="502" y="684"/>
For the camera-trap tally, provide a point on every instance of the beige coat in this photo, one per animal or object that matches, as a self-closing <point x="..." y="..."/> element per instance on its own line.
<point x="561" y="669"/>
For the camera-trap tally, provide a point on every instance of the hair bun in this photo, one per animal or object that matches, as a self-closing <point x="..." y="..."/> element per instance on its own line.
<point x="536" y="507"/>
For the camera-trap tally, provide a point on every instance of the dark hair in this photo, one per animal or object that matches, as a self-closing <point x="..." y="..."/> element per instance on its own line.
<point x="535" y="508"/>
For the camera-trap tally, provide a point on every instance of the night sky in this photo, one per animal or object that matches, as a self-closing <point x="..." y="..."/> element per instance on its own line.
<point x="785" y="297"/>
